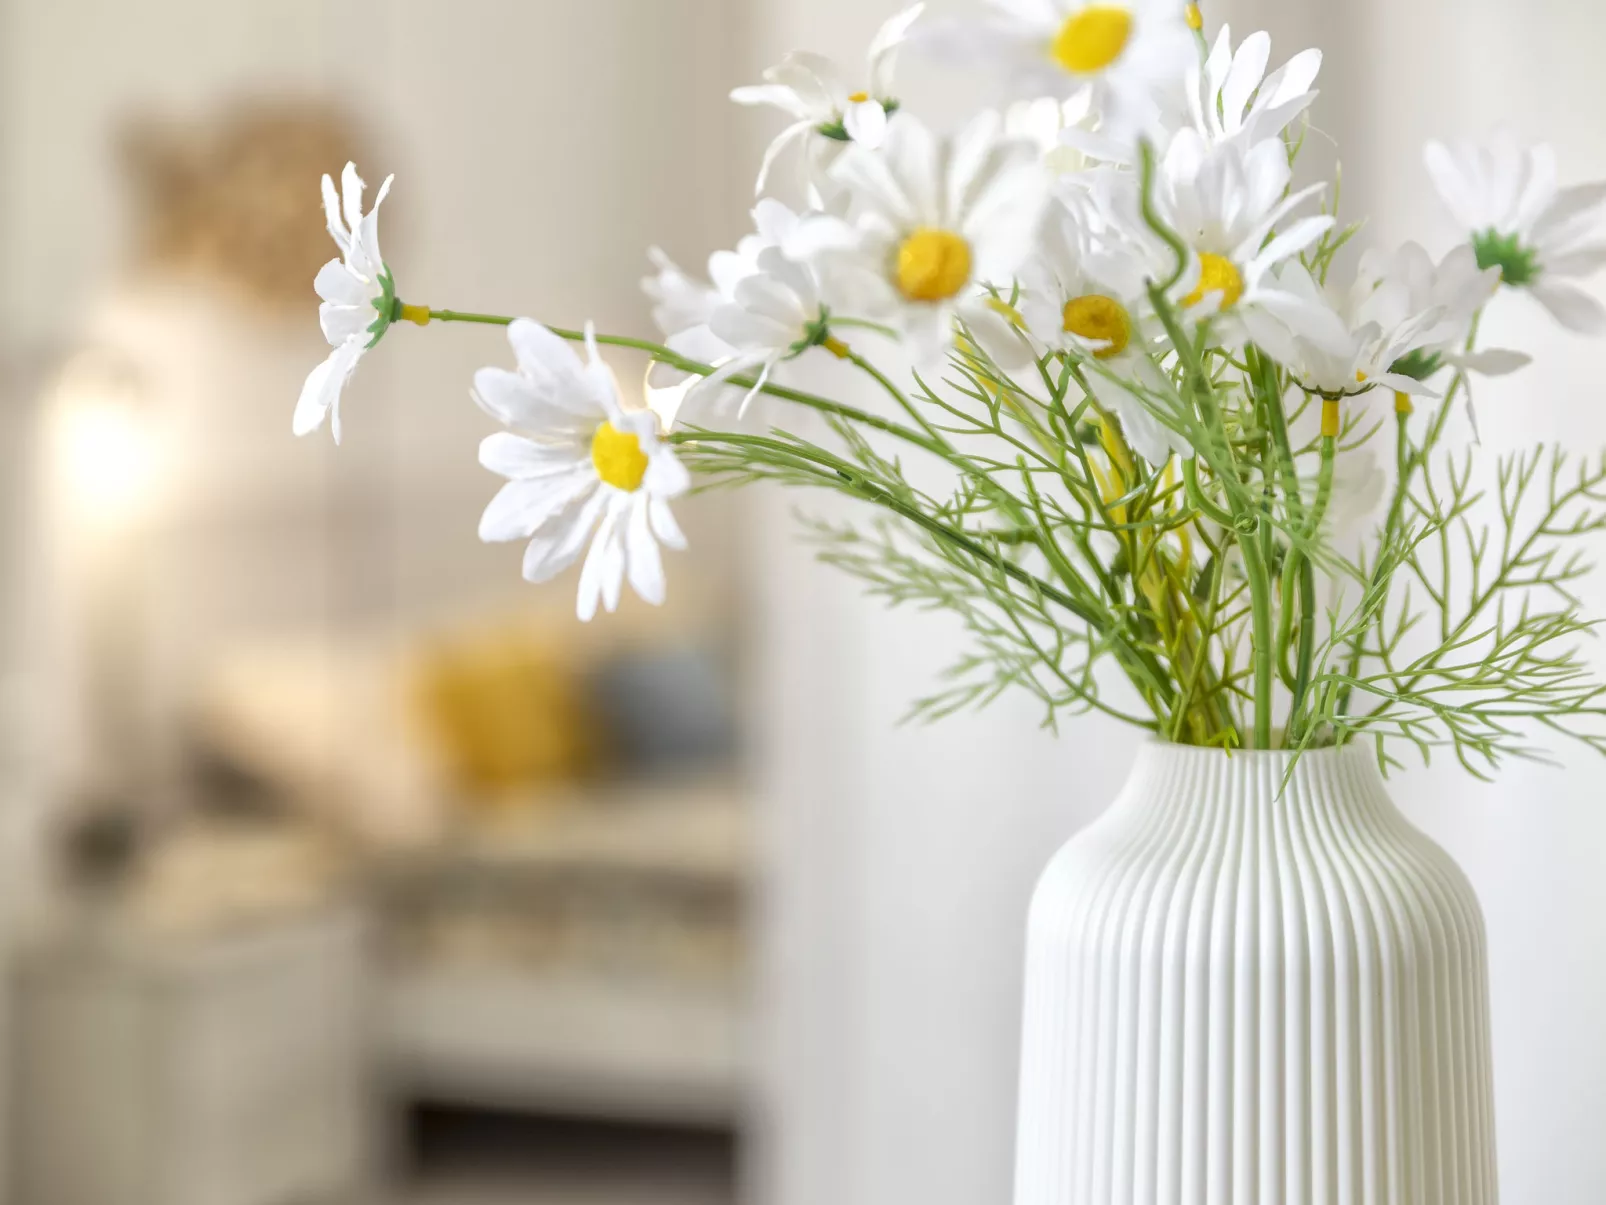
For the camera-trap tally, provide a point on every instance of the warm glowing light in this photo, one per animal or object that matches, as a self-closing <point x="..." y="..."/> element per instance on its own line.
<point x="102" y="445"/>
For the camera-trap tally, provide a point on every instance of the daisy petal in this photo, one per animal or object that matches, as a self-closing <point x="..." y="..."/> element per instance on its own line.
<point x="549" y="555"/>
<point x="1571" y="306"/>
<point x="643" y="562"/>
<point x="664" y="525"/>
<point x="520" y="508"/>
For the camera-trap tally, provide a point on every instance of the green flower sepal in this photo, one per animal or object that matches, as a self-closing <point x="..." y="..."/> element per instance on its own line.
<point x="1518" y="265"/>
<point x="838" y="132"/>
<point x="818" y="334"/>
<point x="388" y="305"/>
<point x="1419" y="365"/>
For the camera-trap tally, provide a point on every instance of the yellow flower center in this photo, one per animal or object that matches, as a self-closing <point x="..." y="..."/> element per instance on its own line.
<point x="618" y="457"/>
<point x="1217" y="274"/>
<point x="858" y="98"/>
<point x="1195" y="17"/>
<point x="933" y="265"/>
<point x="1101" y="319"/>
<point x="1092" y="39"/>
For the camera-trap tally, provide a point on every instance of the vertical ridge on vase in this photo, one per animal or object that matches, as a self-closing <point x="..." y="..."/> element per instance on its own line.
<point x="1246" y="992"/>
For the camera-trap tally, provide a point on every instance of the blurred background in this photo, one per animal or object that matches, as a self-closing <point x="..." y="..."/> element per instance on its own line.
<point x="336" y="864"/>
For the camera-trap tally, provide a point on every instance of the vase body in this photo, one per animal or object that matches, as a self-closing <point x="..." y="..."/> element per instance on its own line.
<point x="1245" y="993"/>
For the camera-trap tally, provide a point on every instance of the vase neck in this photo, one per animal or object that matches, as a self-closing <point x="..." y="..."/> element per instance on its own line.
<point x="1330" y="780"/>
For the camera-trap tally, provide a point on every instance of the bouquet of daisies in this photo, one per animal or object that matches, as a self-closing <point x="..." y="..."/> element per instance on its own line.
<point x="1139" y="414"/>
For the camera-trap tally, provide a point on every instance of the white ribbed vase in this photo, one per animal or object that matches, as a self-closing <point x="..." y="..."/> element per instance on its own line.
<point x="1241" y="997"/>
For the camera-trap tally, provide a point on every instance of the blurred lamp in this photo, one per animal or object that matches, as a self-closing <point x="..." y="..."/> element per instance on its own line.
<point x="103" y="447"/>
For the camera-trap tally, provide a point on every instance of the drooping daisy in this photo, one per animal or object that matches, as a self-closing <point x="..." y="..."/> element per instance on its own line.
<point x="1088" y="299"/>
<point x="1132" y="53"/>
<point x="1541" y="237"/>
<point x="826" y="110"/>
<point x="1230" y="95"/>
<point x="1227" y="202"/>
<point x="588" y="469"/>
<point x="935" y="219"/>
<point x="358" y="298"/>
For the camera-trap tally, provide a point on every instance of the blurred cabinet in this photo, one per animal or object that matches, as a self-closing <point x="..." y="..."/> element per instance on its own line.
<point x="583" y="958"/>
<point x="219" y="1070"/>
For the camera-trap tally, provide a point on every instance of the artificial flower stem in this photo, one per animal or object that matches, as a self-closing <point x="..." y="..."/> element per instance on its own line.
<point x="1262" y="637"/>
<point x="458" y="316"/>
<point x="1307" y="585"/>
<point x="1144" y="670"/>
<point x="892" y="391"/>
<point x="1407" y="461"/>
<point x="664" y="355"/>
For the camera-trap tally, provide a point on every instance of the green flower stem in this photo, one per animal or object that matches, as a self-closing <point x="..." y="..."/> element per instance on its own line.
<point x="844" y="473"/>
<point x="433" y="315"/>
<point x="896" y="394"/>
<point x="1406" y="462"/>
<point x="1307" y="587"/>
<point x="1197" y="498"/>
<point x="680" y="363"/>
<point x="1244" y="521"/>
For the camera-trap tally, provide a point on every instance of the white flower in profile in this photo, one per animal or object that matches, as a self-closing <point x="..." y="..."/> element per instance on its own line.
<point x="1540" y="236"/>
<point x="1230" y="95"/>
<point x="935" y="220"/>
<point x="1227" y="203"/>
<point x="358" y="298"/>
<point x="811" y="90"/>
<point x="585" y="469"/>
<point x="1088" y="298"/>
<point x="1132" y="54"/>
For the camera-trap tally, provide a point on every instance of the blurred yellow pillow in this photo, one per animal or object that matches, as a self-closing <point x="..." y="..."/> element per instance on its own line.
<point x="506" y="710"/>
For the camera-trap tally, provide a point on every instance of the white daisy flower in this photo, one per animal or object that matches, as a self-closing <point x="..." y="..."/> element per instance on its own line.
<point x="1227" y="202"/>
<point x="683" y="304"/>
<point x="1055" y="125"/>
<point x="1382" y="328"/>
<point x="1406" y="281"/>
<point x="358" y="300"/>
<point x="810" y="89"/>
<point x="762" y="307"/>
<point x="1540" y="236"/>
<point x="588" y="469"/>
<point x="1131" y="53"/>
<point x="1230" y="95"/>
<point x="1089" y="299"/>
<point x="935" y="219"/>
<point x="773" y="315"/>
